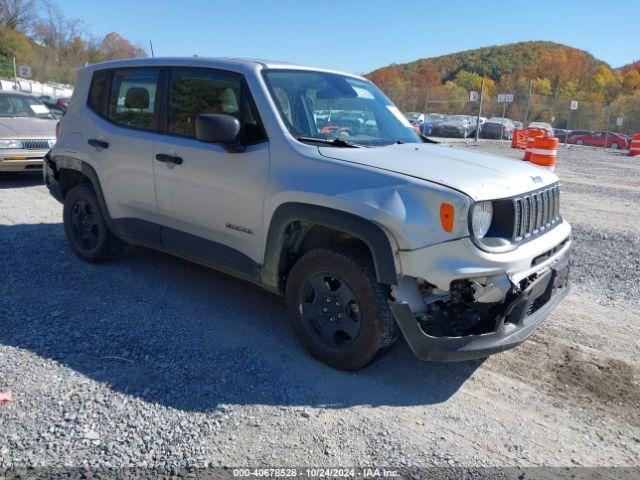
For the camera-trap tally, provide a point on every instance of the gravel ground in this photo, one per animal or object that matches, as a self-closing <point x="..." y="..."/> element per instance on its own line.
<point x="151" y="361"/>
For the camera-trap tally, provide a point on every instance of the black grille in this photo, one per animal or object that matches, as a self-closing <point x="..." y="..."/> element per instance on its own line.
<point x="536" y="212"/>
<point x="36" y="144"/>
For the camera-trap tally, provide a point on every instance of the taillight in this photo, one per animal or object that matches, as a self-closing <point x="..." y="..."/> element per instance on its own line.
<point x="57" y="130"/>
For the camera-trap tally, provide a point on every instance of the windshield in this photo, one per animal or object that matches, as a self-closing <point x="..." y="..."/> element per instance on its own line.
<point x="325" y="106"/>
<point x="22" y="106"/>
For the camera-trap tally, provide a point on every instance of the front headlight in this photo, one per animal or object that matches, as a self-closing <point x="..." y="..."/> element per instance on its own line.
<point x="52" y="143"/>
<point x="481" y="218"/>
<point x="11" y="144"/>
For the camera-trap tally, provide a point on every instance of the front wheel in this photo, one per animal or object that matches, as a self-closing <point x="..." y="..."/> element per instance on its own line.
<point x="615" y="145"/>
<point x="579" y="142"/>
<point x="338" y="310"/>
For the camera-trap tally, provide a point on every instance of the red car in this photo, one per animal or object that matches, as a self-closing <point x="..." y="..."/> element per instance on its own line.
<point x="596" y="139"/>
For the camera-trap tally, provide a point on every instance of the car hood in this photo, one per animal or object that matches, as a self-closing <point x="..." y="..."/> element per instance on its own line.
<point x="478" y="175"/>
<point x="27" y="127"/>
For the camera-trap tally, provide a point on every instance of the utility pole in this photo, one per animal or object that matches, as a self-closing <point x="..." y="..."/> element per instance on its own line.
<point x="426" y="101"/>
<point x="15" y="75"/>
<point x="526" y="112"/>
<point x="479" y="110"/>
<point x="606" y="130"/>
<point x="151" y="45"/>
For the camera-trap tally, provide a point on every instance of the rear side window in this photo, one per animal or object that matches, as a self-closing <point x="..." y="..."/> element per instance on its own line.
<point x="132" y="101"/>
<point x="98" y="92"/>
<point x="194" y="91"/>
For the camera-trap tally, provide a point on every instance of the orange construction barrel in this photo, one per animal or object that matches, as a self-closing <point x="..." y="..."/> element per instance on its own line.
<point x="544" y="152"/>
<point x="532" y="135"/>
<point x="634" y="149"/>
<point x="520" y="136"/>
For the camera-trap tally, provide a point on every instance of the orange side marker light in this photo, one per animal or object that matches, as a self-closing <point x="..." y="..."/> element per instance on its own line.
<point x="446" y="216"/>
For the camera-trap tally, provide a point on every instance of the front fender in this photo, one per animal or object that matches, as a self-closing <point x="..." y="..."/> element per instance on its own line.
<point x="370" y="233"/>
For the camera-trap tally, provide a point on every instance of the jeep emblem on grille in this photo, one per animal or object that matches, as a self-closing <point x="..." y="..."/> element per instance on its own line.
<point x="536" y="179"/>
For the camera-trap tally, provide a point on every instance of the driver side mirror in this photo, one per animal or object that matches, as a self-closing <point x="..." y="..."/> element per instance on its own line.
<point x="219" y="128"/>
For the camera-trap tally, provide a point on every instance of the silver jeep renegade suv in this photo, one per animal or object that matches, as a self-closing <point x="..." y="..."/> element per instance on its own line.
<point x="312" y="184"/>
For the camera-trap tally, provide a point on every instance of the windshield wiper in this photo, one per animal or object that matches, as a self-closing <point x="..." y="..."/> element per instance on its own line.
<point x="336" y="142"/>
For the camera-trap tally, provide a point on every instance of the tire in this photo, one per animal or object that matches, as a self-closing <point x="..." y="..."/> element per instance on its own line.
<point x="84" y="225"/>
<point x="338" y="310"/>
<point x="615" y="145"/>
<point x="579" y="142"/>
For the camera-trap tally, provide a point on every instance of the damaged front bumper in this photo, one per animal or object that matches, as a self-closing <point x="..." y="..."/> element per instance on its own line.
<point x="512" y="321"/>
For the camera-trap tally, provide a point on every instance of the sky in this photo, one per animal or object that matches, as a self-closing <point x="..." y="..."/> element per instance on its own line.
<point x="360" y="36"/>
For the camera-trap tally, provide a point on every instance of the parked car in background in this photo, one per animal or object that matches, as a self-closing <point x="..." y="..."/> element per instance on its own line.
<point x="454" y="126"/>
<point x="561" y="134"/>
<point x="420" y="121"/>
<point x="572" y="133"/>
<point x="518" y="124"/>
<point x="54" y="108"/>
<point x="542" y="126"/>
<point x="414" y="117"/>
<point x="423" y="122"/>
<point x="498" y="127"/>
<point x="597" y="139"/>
<point x="27" y="132"/>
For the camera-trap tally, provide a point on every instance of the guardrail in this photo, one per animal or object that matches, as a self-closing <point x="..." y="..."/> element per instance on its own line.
<point x="54" y="90"/>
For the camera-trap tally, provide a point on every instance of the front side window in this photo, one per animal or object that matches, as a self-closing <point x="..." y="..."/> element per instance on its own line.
<point x="132" y="99"/>
<point x="195" y="91"/>
<point x="326" y="106"/>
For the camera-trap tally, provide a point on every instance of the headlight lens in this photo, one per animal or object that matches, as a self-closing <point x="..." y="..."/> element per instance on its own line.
<point x="481" y="218"/>
<point x="10" y="144"/>
<point x="52" y="143"/>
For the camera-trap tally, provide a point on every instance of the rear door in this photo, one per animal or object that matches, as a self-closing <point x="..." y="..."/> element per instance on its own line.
<point x="120" y="141"/>
<point x="211" y="203"/>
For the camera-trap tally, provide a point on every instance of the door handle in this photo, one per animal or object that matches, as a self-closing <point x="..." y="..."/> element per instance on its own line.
<point x="94" y="142"/>
<point x="165" y="158"/>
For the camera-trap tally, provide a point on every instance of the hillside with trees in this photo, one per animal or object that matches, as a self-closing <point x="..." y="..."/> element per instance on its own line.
<point x="36" y="33"/>
<point x="556" y="74"/>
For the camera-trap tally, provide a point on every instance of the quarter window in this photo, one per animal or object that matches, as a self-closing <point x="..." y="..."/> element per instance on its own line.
<point x="132" y="99"/>
<point x="99" y="89"/>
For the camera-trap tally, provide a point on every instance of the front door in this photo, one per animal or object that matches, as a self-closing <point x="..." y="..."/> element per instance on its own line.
<point x="210" y="200"/>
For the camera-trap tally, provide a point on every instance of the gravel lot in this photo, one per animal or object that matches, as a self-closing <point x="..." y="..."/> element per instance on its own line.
<point x="149" y="360"/>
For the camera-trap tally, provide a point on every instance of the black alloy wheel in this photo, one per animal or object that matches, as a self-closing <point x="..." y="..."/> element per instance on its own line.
<point x="330" y="311"/>
<point x="84" y="222"/>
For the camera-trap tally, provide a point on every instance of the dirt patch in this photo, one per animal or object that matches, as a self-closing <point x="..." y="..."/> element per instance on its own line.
<point x="606" y="382"/>
<point x="606" y="385"/>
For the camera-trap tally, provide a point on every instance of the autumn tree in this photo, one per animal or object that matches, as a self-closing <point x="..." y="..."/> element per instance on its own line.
<point x="115" y="47"/>
<point x="16" y="14"/>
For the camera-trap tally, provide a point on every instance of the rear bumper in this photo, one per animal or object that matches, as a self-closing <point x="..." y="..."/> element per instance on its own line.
<point x="48" y="173"/>
<point x="540" y="298"/>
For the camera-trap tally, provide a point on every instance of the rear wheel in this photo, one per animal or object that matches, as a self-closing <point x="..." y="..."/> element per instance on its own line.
<point x="84" y="225"/>
<point x="338" y="310"/>
<point x="579" y="142"/>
